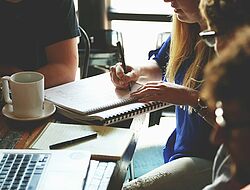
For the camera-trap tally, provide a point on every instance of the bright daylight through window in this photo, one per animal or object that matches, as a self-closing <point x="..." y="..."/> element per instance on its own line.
<point x="139" y="37"/>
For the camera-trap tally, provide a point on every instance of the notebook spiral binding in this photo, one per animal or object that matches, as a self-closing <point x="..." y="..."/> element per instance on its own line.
<point x="131" y="113"/>
<point x="107" y="107"/>
<point x="113" y="117"/>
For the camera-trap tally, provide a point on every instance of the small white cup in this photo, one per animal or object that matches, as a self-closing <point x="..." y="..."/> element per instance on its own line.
<point x="27" y="93"/>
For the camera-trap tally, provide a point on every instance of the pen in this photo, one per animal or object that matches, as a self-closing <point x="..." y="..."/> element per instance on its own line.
<point x="73" y="141"/>
<point x="121" y="54"/>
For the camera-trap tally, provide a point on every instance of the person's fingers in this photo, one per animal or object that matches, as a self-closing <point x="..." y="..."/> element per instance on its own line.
<point x="116" y="72"/>
<point x="131" y="76"/>
<point x="148" y="93"/>
<point x="148" y="97"/>
<point x="145" y="89"/>
<point x="121" y="79"/>
<point x="119" y="72"/>
<point x="154" y="83"/>
<point x="113" y="75"/>
<point x="128" y="77"/>
<point x="143" y="92"/>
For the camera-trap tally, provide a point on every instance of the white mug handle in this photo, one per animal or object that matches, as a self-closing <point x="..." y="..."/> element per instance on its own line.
<point x="6" y="90"/>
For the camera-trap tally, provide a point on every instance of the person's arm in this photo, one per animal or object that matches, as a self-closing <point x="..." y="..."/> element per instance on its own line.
<point x="174" y="94"/>
<point x="59" y="35"/>
<point x="62" y="62"/>
<point x="246" y="187"/>
<point x="153" y="69"/>
<point x="8" y="70"/>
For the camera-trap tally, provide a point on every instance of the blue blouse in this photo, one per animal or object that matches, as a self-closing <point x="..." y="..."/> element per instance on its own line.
<point x="191" y="136"/>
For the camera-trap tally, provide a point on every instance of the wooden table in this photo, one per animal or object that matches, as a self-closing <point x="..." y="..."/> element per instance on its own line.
<point x="20" y="134"/>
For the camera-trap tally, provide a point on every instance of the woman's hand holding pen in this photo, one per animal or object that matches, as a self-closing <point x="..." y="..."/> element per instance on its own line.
<point x="120" y="79"/>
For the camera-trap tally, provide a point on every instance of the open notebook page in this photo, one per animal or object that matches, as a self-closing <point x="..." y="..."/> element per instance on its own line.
<point x="89" y="95"/>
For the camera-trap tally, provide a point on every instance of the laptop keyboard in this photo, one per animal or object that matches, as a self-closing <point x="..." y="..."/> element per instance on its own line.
<point x="99" y="175"/>
<point x="21" y="171"/>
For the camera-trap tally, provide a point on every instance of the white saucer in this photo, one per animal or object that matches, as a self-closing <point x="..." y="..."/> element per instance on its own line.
<point x="49" y="109"/>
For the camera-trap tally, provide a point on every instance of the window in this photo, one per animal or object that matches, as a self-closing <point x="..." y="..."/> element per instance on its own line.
<point x="142" y="6"/>
<point x="139" y="37"/>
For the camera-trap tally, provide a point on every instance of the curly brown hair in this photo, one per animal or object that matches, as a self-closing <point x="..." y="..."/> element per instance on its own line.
<point x="227" y="77"/>
<point x="225" y="16"/>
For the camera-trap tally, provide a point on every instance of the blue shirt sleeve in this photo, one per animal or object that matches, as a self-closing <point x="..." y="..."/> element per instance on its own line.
<point x="161" y="55"/>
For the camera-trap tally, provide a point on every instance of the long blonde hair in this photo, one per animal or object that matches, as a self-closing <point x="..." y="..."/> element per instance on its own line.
<point x="185" y="42"/>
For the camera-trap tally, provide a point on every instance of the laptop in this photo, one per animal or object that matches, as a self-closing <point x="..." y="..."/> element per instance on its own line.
<point x="43" y="169"/>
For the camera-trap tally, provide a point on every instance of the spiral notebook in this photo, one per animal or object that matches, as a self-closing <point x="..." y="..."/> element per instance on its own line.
<point x="95" y="100"/>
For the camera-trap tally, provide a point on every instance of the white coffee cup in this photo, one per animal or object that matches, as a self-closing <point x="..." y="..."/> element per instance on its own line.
<point x="27" y="93"/>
